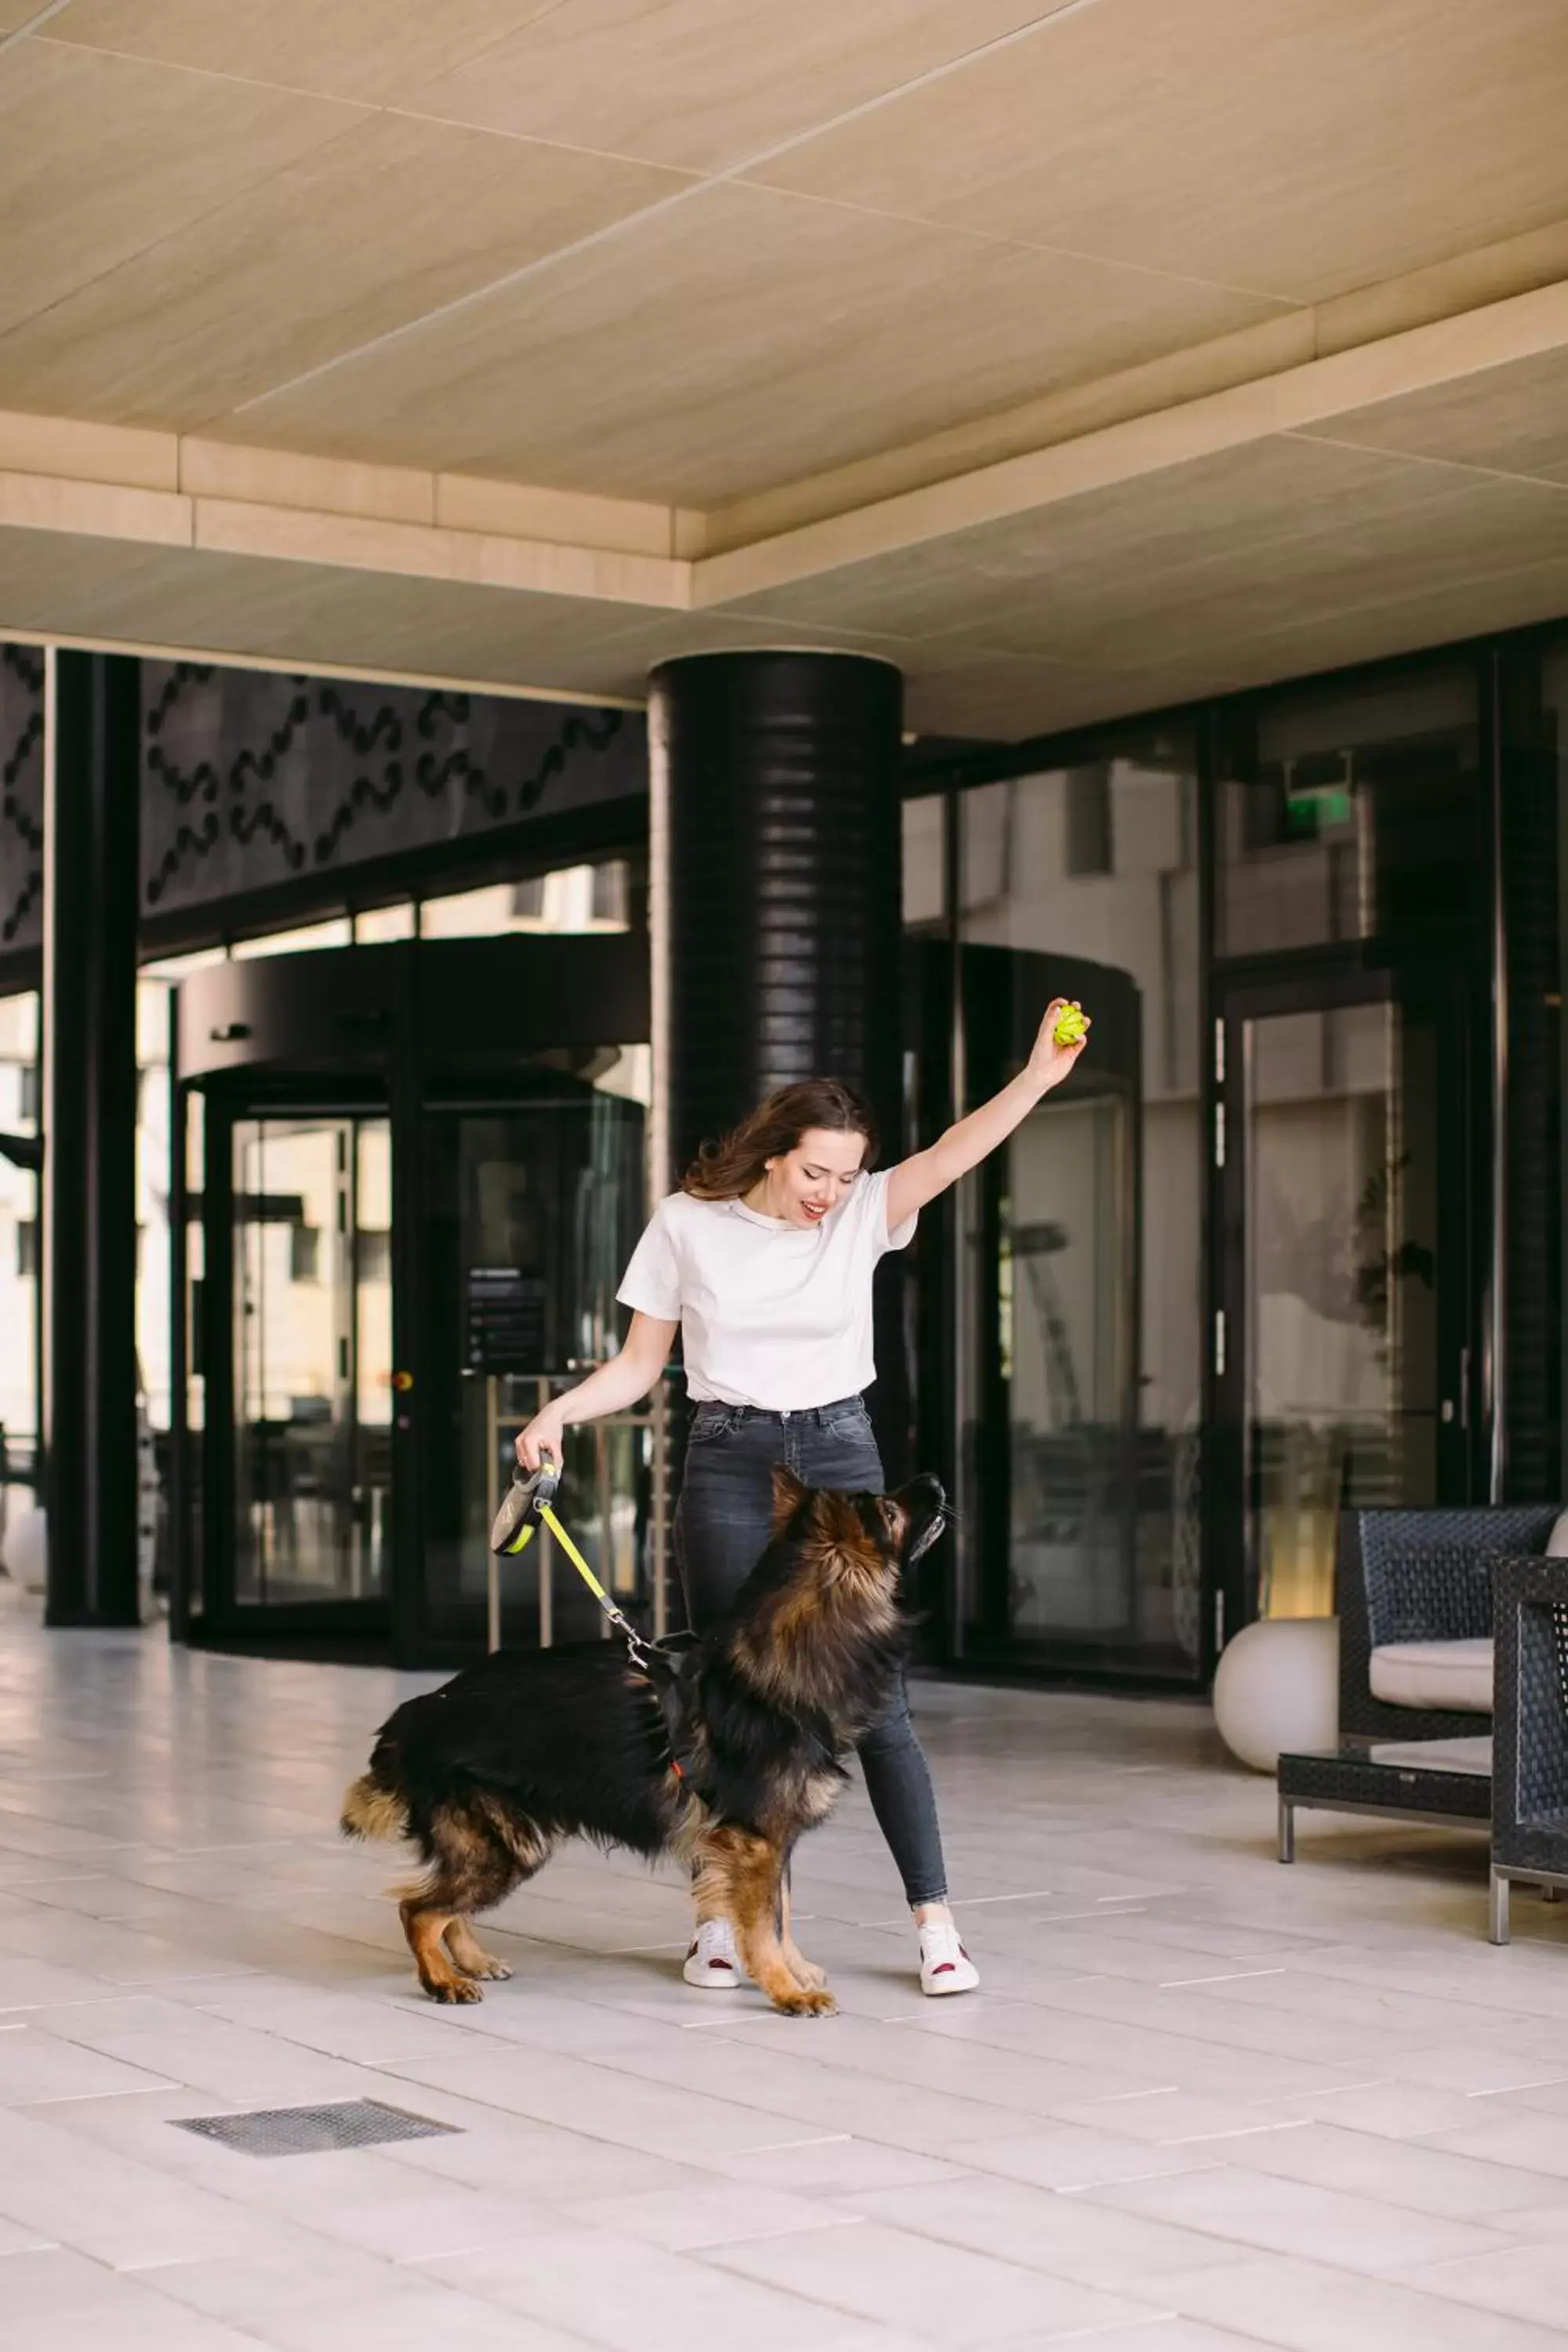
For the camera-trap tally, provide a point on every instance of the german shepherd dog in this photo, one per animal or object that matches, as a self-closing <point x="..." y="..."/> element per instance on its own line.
<point x="490" y="1773"/>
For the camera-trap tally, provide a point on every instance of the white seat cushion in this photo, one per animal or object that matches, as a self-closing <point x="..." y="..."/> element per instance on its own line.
<point x="1454" y="1676"/>
<point x="1557" y="1541"/>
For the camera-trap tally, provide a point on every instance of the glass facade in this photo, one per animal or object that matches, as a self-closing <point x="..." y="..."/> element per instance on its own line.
<point x="1077" y="1348"/>
<point x="1292" y="1237"/>
<point x="1243" y="1269"/>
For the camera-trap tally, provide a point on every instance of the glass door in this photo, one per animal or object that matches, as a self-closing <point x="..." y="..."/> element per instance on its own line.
<point x="306" y="1227"/>
<point x="1341" y="1347"/>
<point x="531" y="1209"/>
<point x="1065" y="1336"/>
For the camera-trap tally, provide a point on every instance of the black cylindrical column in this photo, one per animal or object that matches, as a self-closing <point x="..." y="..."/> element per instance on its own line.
<point x="774" y="894"/>
<point x="91" y="891"/>
<point x="775" y="913"/>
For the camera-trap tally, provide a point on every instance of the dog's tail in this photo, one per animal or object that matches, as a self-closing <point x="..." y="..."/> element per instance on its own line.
<point x="371" y="1811"/>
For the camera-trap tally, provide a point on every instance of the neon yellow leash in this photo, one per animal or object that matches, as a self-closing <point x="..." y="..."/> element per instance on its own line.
<point x="532" y="1504"/>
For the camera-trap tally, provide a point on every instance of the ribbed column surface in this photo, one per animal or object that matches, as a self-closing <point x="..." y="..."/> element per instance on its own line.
<point x="775" y="891"/>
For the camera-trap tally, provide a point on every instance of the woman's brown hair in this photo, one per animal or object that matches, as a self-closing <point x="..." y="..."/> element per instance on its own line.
<point x="734" y="1166"/>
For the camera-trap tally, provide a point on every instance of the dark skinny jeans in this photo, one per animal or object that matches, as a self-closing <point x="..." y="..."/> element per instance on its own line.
<point x="722" y="1526"/>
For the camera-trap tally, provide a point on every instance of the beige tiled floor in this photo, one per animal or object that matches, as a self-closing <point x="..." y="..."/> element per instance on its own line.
<point x="1203" y="2102"/>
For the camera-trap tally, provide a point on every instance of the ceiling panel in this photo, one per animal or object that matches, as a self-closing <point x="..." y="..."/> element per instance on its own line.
<point x="705" y="83"/>
<point x="1268" y="581"/>
<point x="389" y="220"/>
<point x="1241" y="567"/>
<point x="1301" y="149"/>
<point x="298" y="613"/>
<point x="102" y="156"/>
<point x="1487" y="530"/>
<point x="1510" y="599"/>
<point x="1512" y="418"/>
<point x="371" y="49"/>
<point x="738" y="338"/>
<point x="1000" y="697"/>
<point x="1148" y="542"/>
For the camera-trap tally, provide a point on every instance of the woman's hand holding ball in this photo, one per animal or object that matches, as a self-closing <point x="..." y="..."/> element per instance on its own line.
<point x="1063" y="1033"/>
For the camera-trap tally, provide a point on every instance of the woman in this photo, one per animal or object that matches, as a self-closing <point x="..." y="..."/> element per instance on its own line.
<point x="763" y="1261"/>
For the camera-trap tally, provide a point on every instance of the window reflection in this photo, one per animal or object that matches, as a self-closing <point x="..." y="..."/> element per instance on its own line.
<point x="337" y="933"/>
<point x="1352" y="814"/>
<point x="574" y="898"/>
<point x="374" y="925"/>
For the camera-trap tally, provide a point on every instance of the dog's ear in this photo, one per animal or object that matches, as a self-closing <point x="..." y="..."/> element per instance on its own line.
<point x="789" y="1494"/>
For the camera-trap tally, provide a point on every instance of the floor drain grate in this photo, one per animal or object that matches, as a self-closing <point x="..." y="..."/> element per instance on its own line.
<point x="311" y="2131"/>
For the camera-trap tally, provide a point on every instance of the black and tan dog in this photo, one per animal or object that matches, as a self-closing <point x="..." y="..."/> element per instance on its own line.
<point x="490" y="1773"/>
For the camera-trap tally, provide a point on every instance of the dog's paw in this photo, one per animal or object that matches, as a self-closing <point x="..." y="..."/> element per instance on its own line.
<point x="810" y="2001"/>
<point x="807" y="1973"/>
<point x="490" y="1971"/>
<point x="462" y="1988"/>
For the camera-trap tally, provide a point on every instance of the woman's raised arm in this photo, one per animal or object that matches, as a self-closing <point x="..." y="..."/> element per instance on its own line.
<point x="921" y="1178"/>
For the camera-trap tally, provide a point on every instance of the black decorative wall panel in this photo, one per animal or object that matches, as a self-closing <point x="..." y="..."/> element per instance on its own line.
<point x="251" y="779"/>
<point x="21" y="799"/>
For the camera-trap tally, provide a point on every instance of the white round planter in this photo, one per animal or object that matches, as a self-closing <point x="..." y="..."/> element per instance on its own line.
<point x="1277" y="1690"/>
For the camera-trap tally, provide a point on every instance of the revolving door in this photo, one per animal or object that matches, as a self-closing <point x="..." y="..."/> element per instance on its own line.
<point x="411" y="1177"/>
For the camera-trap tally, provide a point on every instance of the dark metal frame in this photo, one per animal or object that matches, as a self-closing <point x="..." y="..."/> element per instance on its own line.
<point x="1357" y="1781"/>
<point x="395" y="1032"/>
<point x="223" y="1617"/>
<point x="1530" y="1758"/>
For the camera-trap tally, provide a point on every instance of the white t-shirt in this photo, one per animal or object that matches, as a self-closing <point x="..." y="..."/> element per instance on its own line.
<point x="771" y="1314"/>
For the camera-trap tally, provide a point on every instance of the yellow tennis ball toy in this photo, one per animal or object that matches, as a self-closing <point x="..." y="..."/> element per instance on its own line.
<point x="1072" y="1026"/>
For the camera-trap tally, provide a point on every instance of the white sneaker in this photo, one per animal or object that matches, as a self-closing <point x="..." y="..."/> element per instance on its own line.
<point x="945" y="1966"/>
<point x="713" y="1962"/>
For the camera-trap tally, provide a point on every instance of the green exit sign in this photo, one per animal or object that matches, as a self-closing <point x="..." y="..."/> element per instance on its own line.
<point x="1314" y="809"/>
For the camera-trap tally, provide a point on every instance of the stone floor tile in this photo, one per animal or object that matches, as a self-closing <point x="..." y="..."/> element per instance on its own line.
<point x="1152" y="2336"/>
<point x="1527" y="2282"/>
<point x="1352" y="2233"/>
<point x="948" y="2293"/>
<point x="674" y="2119"/>
<point x="36" y="2066"/>
<point x="691" y="2220"/>
<point x="1388" y="2110"/>
<point x="1472" y="2068"/>
<point x="1074" y="2157"/>
<point x="1523" y="2138"/>
<point x="662" y="2302"/>
<point x="834" y="2164"/>
<point x="1426" y="2175"/>
<point x="1066" y="2236"/>
<point x="1175" y="2118"/>
<point x="412" y="2314"/>
<point x="1299" y="2306"/>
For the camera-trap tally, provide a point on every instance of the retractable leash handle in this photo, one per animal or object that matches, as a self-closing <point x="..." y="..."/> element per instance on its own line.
<point x="524" y="1506"/>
